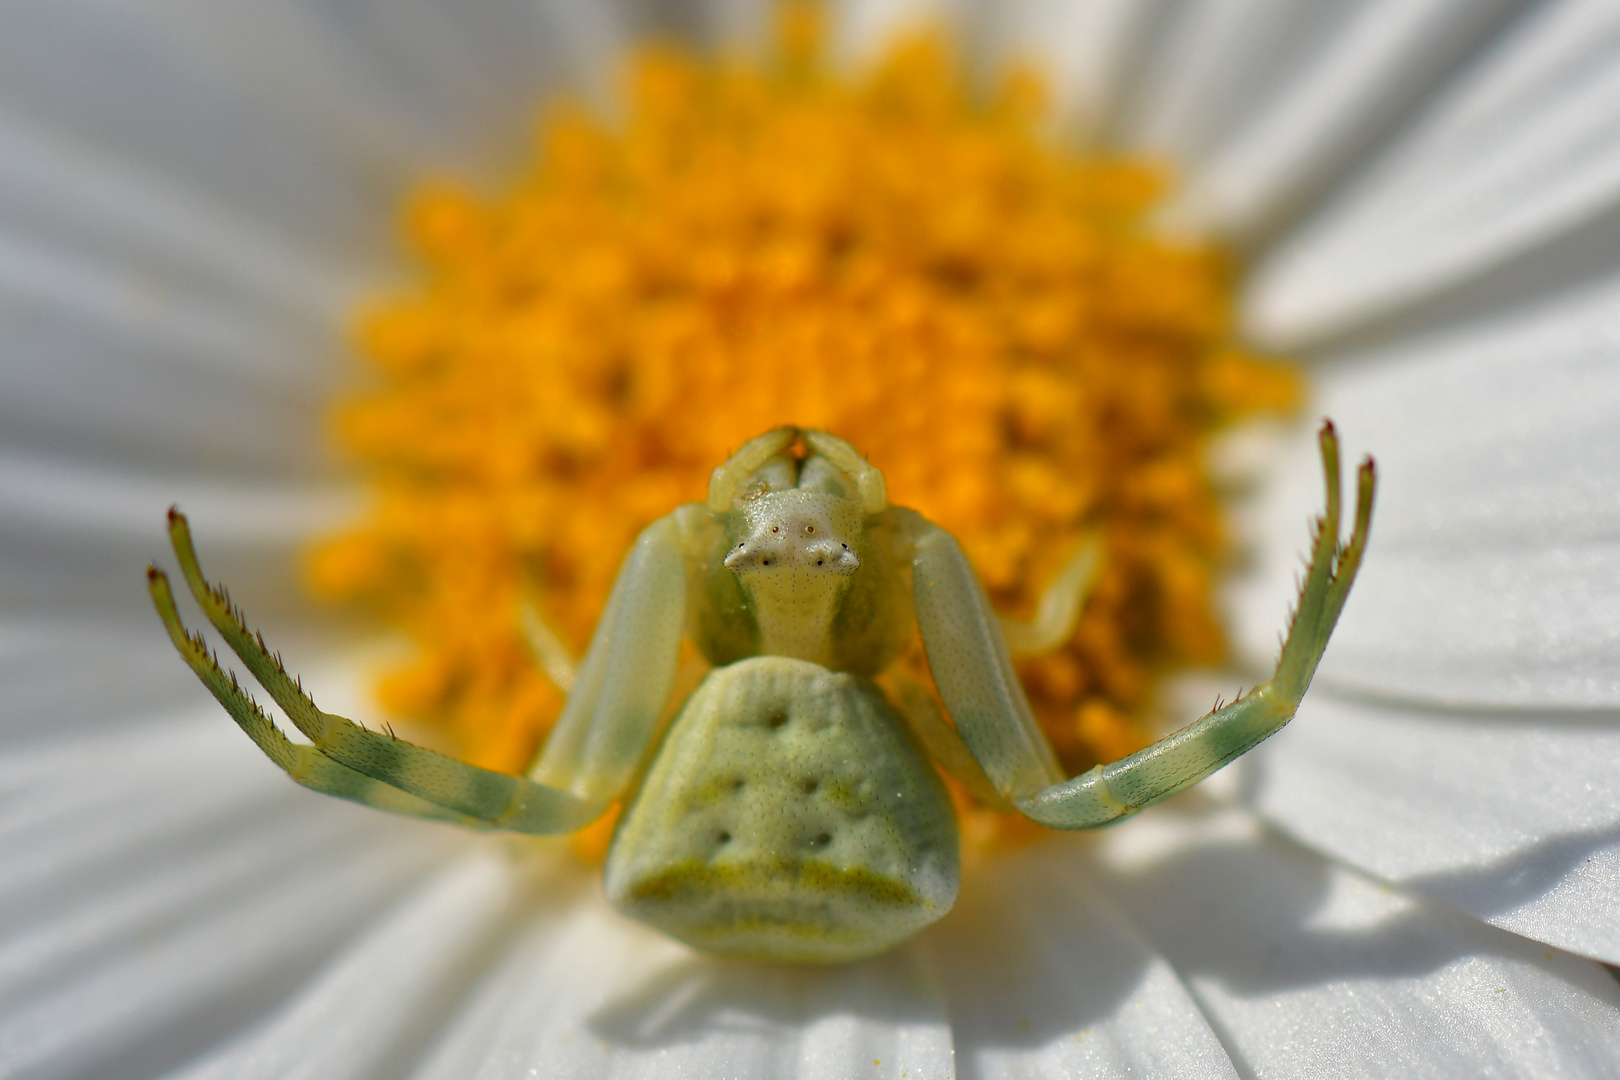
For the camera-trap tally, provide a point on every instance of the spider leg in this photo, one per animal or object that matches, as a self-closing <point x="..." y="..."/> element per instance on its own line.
<point x="869" y="482"/>
<point x="305" y="764"/>
<point x="727" y="479"/>
<point x="1058" y="610"/>
<point x="620" y="688"/>
<point x="972" y="667"/>
<point x="456" y="789"/>
<point x="945" y="747"/>
<point x="1109" y="792"/>
<point x="550" y="651"/>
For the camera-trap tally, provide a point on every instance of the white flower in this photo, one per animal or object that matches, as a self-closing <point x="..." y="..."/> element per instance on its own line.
<point x="1417" y="878"/>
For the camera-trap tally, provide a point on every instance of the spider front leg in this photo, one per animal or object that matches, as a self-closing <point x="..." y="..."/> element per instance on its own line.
<point x="619" y="691"/>
<point x="1001" y="737"/>
<point x="1057" y="612"/>
<point x="972" y="666"/>
<point x="346" y="759"/>
<point x="305" y="764"/>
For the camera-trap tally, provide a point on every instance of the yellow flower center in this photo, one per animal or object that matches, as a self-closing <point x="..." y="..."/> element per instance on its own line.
<point x="890" y="257"/>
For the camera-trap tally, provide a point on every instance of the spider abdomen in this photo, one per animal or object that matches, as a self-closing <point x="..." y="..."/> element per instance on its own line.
<point x="787" y="816"/>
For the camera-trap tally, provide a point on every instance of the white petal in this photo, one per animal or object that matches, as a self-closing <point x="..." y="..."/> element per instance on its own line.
<point x="190" y="199"/>
<point x="1308" y="969"/>
<point x="149" y="986"/>
<point x="587" y="993"/>
<point x="1493" y="572"/>
<point x="1044" y="977"/>
<point x="468" y="1039"/>
<point x="861" y="27"/>
<point x="60" y="191"/>
<point x="79" y="808"/>
<point x="120" y="80"/>
<point x="1524" y="148"/>
<point x="54" y="498"/>
<point x="1512" y="818"/>
<point x="388" y="91"/>
<point x="1340" y="75"/>
<point x="162" y="880"/>
<point x="72" y="675"/>
<point x="1085" y="48"/>
<point x="733" y="24"/>
<point x="183" y="976"/>
<point x="105" y="360"/>
<point x="305" y="118"/>
<point x="369" y="1006"/>
<point x="1213" y="63"/>
<point x="79" y="930"/>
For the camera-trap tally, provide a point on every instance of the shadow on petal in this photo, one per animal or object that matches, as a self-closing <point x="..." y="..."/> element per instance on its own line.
<point x="1228" y="899"/>
<point x="699" y="996"/>
<point x="1044" y="976"/>
<point x="1032" y="952"/>
<point x="1527" y="874"/>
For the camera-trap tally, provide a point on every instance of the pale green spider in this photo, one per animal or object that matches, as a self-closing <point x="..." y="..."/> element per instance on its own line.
<point x="788" y="813"/>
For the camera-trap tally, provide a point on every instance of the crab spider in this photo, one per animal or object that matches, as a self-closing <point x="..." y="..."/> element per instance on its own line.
<point x="789" y="811"/>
